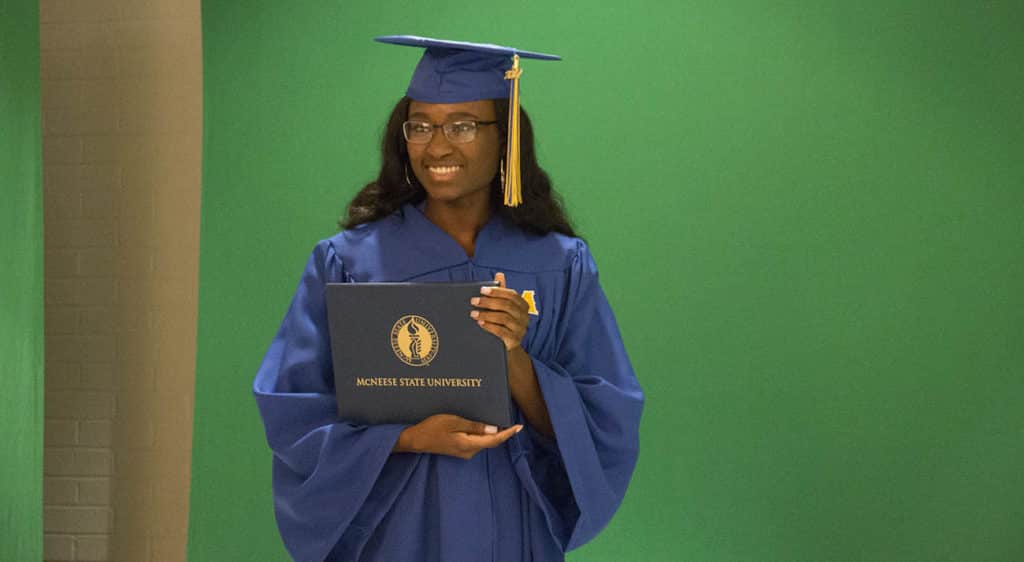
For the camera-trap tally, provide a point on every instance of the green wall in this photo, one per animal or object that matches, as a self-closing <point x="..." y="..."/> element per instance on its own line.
<point x="807" y="216"/>
<point x="21" y="285"/>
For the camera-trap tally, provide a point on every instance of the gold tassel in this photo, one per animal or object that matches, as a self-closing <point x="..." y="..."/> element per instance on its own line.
<point x="513" y="184"/>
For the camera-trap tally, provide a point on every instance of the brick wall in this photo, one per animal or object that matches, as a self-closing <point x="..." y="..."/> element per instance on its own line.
<point x="121" y="106"/>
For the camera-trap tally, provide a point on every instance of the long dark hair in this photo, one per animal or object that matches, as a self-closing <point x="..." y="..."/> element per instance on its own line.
<point x="540" y="213"/>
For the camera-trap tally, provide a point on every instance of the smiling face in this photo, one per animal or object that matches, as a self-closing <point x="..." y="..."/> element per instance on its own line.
<point x="456" y="173"/>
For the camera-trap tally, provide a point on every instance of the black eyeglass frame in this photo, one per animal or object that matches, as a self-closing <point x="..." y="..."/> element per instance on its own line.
<point x="447" y="128"/>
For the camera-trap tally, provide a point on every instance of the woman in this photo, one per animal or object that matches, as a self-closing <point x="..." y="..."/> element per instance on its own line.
<point x="447" y="488"/>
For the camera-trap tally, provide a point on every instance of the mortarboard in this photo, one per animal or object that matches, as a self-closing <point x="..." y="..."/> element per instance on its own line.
<point x="457" y="71"/>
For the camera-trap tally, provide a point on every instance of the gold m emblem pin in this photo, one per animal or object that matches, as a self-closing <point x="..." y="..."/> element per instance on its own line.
<point x="531" y="299"/>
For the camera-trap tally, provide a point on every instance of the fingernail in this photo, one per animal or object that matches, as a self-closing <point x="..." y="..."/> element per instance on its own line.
<point x="481" y="322"/>
<point x="485" y="290"/>
<point x="474" y="314"/>
<point x="518" y="429"/>
<point x="474" y="301"/>
<point x="490" y="429"/>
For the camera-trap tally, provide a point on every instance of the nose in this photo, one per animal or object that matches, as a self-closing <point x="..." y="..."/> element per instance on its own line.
<point x="439" y="145"/>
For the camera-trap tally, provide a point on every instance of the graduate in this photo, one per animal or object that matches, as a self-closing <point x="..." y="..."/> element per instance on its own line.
<point x="459" y="197"/>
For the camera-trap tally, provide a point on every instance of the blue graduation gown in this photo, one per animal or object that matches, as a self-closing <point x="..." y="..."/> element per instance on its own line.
<point x="339" y="491"/>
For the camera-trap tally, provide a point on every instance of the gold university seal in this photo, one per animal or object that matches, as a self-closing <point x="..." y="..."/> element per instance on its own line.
<point x="414" y="340"/>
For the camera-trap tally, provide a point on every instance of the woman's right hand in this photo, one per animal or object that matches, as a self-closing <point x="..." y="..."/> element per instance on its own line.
<point x="447" y="434"/>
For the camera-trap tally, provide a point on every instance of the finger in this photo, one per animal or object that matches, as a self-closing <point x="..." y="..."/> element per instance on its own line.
<point x="517" y="307"/>
<point x="472" y="427"/>
<point x="499" y="299"/>
<point x="496" y="329"/>
<point x="499" y="278"/>
<point x="504" y="435"/>
<point x="500" y="318"/>
<point x="507" y="337"/>
<point x="499" y="292"/>
<point x="492" y="441"/>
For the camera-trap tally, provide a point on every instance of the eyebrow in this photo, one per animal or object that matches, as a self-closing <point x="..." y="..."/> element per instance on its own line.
<point x="457" y="114"/>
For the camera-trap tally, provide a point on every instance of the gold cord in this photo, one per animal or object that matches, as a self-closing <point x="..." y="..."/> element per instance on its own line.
<point x="513" y="182"/>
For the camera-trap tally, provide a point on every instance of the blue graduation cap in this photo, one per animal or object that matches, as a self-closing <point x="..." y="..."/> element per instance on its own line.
<point x="458" y="71"/>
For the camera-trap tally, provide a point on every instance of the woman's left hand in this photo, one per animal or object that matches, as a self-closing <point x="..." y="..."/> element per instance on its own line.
<point x="502" y="312"/>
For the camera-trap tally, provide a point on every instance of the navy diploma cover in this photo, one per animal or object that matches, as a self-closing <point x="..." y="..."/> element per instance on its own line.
<point x="403" y="352"/>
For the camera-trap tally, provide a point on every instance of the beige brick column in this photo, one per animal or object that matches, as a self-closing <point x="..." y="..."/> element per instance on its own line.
<point x="122" y="131"/>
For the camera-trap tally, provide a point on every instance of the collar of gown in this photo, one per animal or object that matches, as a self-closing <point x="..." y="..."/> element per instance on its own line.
<point x="439" y="250"/>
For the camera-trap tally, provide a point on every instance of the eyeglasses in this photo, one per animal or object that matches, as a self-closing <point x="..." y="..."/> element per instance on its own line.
<point x="458" y="132"/>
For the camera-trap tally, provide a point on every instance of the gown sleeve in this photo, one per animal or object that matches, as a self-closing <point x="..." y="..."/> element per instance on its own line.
<point x="332" y="481"/>
<point x="578" y="480"/>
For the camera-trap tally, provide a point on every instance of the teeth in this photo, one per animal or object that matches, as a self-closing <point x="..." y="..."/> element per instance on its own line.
<point x="443" y="169"/>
